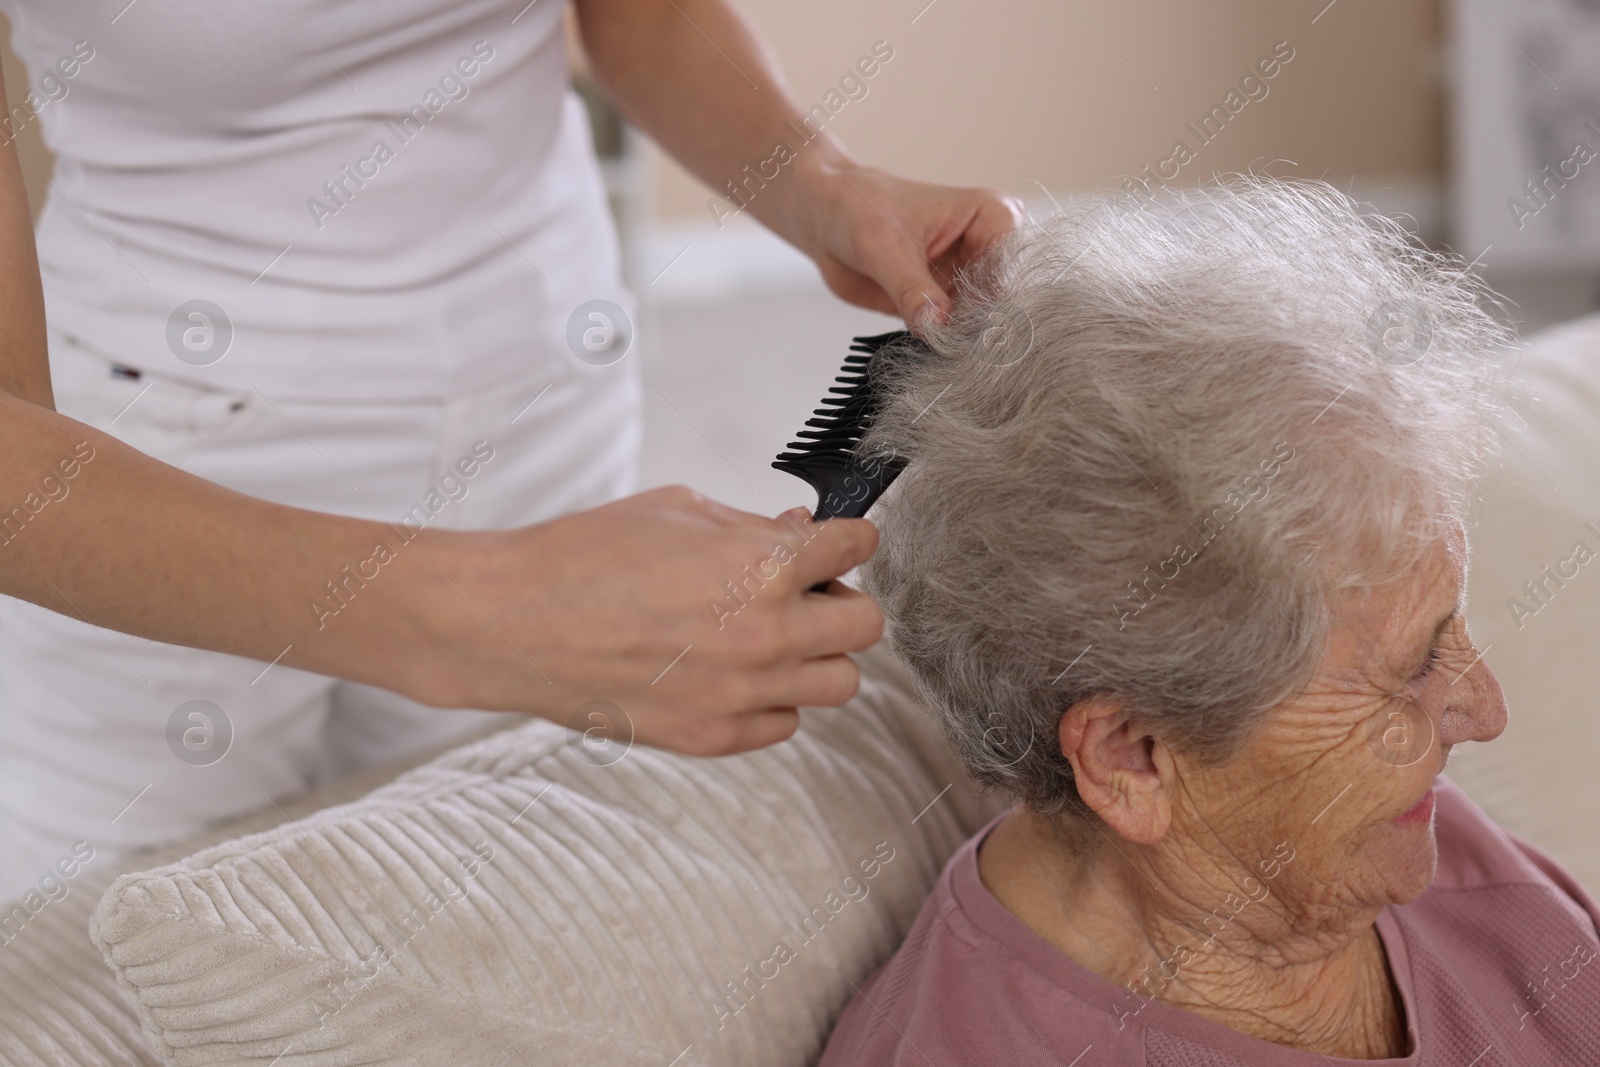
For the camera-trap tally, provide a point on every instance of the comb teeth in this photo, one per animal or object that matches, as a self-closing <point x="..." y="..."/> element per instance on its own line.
<point x="825" y="454"/>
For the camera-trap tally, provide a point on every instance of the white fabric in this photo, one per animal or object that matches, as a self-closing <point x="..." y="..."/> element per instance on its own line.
<point x="514" y="902"/>
<point x="194" y="141"/>
<point x="85" y="712"/>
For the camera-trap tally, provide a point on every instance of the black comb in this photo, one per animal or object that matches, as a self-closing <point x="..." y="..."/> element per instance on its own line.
<point x="848" y="484"/>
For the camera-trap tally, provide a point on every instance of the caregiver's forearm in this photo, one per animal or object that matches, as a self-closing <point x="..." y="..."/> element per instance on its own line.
<point x="96" y="530"/>
<point x="24" y="368"/>
<point x="698" y="78"/>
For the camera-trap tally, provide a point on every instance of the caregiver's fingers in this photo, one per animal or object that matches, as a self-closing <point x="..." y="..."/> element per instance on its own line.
<point x="957" y="226"/>
<point x="830" y="549"/>
<point x="918" y="297"/>
<point x="824" y="682"/>
<point x="841" y="619"/>
<point x="774" y="693"/>
<point x="996" y="216"/>
<point x="762" y="728"/>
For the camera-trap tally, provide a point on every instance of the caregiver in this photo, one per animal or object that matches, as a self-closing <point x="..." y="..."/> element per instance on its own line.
<point x="317" y="277"/>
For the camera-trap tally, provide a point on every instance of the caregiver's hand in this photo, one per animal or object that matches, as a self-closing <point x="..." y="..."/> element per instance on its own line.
<point x="698" y="78"/>
<point x="890" y="243"/>
<point x="628" y="602"/>
<point x="694" y="618"/>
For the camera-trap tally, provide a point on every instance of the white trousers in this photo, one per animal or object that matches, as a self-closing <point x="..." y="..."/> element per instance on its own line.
<point x="99" y="738"/>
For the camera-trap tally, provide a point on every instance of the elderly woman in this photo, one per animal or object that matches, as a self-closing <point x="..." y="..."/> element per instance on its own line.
<point x="1179" y="559"/>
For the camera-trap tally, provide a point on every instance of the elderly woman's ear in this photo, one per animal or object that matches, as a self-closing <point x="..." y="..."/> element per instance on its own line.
<point x="1124" y="774"/>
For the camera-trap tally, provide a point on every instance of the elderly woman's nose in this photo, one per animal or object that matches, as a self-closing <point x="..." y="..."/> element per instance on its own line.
<point x="1477" y="712"/>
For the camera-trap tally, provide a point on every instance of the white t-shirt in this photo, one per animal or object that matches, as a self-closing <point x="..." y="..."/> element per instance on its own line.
<point x="389" y="199"/>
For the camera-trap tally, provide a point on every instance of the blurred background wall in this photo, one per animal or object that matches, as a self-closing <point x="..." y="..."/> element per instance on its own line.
<point x="1014" y="92"/>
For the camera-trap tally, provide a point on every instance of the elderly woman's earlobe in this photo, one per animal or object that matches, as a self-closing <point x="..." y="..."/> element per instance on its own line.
<point x="1124" y="775"/>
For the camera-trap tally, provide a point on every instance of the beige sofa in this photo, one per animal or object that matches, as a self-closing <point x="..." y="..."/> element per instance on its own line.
<point x="519" y="899"/>
<point x="1538" y="778"/>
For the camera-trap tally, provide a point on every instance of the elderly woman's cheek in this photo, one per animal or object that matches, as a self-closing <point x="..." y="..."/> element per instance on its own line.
<point x="1403" y="733"/>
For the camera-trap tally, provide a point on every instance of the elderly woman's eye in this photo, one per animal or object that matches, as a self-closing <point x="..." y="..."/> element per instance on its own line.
<point x="1427" y="668"/>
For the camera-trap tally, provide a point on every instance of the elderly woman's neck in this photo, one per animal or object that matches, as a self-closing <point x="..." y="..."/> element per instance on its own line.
<point x="1202" y="932"/>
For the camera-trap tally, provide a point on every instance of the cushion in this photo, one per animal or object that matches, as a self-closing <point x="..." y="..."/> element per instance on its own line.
<point x="59" y="1002"/>
<point x="525" y="900"/>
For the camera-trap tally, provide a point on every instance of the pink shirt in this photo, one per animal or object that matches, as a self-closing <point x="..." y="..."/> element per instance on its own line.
<point x="1497" y="964"/>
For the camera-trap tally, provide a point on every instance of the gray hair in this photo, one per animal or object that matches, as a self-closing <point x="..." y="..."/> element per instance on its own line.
<point x="1156" y="436"/>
